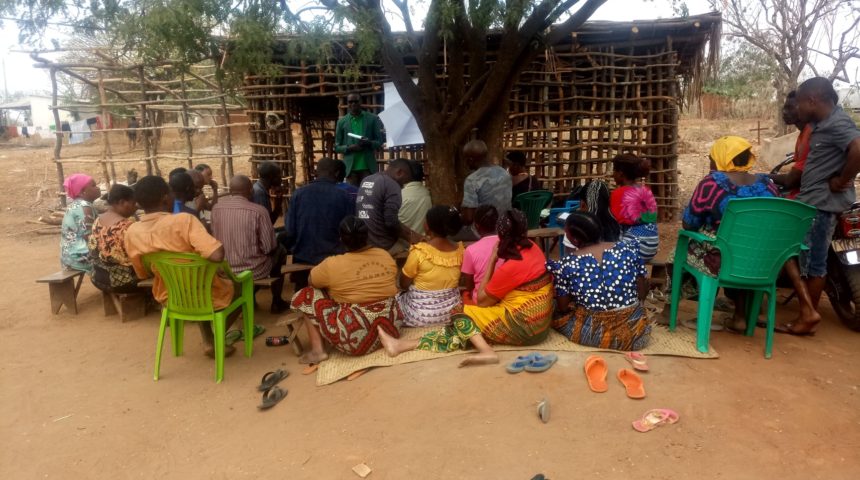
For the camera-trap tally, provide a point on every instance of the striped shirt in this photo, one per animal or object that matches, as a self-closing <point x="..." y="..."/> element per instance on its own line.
<point x="247" y="234"/>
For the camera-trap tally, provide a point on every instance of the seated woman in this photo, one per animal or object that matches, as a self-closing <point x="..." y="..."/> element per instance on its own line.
<point x="633" y="205"/>
<point x="514" y="305"/>
<point x="349" y="296"/>
<point x="599" y="288"/>
<point x="78" y="222"/>
<point x="594" y="198"/>
<point x="431" y="274"/>
<point x="477" y="255"/>
<point x="731" y="160"/>
<point x="112" y="270"/>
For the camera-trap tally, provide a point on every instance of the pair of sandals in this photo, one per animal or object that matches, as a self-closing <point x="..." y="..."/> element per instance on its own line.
<point x="596" y="372"/>
<point x="533" y="362"/>
<point x="234" y="336"/>
<point x="272" y="394"/>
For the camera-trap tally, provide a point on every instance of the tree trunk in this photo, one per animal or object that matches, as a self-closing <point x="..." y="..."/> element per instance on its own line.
<point x="446" y="185"/>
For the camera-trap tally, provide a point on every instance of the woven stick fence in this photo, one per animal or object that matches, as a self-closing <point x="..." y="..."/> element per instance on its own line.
<point x="614" y="88"/>
<point x="146" y="92"/>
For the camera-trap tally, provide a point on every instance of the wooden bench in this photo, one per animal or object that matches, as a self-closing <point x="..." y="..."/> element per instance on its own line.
<point x="63" y="288"/>
<point x="547" y="238"/>
<point x="129" y="306"/>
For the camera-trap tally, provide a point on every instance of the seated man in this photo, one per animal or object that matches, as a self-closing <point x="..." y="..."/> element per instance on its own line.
<point x="312" y="221"/>
<point x="182" y="185"/>
<point x="416" y="202"/>
<point x="340" y="179"/>
<point x="489" y="184"/>
<point x="378" y="204"/>
<point x="267" y="187"/>
<point x="246" y="232"/>
<point x="159" y="231"/>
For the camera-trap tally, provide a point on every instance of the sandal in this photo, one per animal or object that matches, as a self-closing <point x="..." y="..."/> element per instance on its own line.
<point x="270" y="379"/>
<point x="234" y="336"/>
<point x="541" y="363"/>
<point x="595" y="373"/>
<point x="521" y="362"/>
<point x="271" y="397"/>
<point x="632" y="383"/>
<point x="311" y="368"/>
<point x="693" y="324"/>
<point x="543" y="410"/>
<point x="655" y="418"/>
<point x="637" y="360"/>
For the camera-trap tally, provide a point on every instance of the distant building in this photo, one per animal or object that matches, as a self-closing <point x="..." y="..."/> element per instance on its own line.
<point x="849" y="97"/>
<point x="33" y="111"/>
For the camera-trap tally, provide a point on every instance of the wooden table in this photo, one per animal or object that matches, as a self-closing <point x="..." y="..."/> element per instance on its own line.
<point x="543" y="236"/>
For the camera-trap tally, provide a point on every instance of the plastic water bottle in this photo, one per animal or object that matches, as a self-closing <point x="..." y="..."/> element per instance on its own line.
<point x="277" y="341"/>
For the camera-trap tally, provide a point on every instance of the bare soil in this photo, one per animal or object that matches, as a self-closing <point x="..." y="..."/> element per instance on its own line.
<point x="79" y="401"/>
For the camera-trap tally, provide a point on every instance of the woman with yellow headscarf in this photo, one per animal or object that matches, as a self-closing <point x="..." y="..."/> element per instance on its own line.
<point x="731" y="160"/>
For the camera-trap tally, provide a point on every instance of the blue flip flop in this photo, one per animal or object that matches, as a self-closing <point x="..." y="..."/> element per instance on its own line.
<point x="542" y="363"/>
<point x="522" y="362"/>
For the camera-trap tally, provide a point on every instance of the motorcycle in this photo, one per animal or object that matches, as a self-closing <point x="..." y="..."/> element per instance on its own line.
<point x="843" y="262"/>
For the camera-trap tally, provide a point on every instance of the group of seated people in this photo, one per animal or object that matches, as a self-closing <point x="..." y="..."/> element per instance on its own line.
<point x="471" y="273"/>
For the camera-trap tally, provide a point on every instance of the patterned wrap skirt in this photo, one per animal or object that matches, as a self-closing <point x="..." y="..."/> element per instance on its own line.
<point x="423" y="308"/>
<point x="349" y="327"/>
<point x="625" y="328"/>
<point x="523" y="317"/>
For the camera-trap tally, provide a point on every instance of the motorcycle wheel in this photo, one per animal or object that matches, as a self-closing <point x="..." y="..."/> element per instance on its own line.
<point x="850" y="314"/>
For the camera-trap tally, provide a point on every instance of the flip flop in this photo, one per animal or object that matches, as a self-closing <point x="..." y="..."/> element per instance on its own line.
<point x="637" y="360"/>
<point x="595" y="373"/>
<point x="543" y="410"/>
<point x="542" y="363"/>
<point x="521" y="362"/>
<point x="632" y="383"/>
<point x="270" y="379"/>
<point x="310" y="369"/>
<point x="655" y="418"/>
<point x="789" y="329"/>
<point x="352" y="376"/>
<point x="271" y="397"/>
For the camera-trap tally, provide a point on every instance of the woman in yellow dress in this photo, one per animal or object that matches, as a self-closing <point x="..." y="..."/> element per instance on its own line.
<point x="514" y="303"/>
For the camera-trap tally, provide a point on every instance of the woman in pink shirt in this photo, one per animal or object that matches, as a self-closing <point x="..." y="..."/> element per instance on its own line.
<point x="478" y="254"/>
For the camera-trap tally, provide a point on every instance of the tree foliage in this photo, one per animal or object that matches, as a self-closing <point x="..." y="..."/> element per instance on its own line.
<point x="468" y="99"/>
<point x="745" y="73"/>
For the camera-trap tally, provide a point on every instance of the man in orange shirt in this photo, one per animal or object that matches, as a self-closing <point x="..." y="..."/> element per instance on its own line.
<point x="160" y="231"/>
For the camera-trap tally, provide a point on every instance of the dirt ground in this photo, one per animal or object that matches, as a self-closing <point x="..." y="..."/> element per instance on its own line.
<point x="79" y="401"/>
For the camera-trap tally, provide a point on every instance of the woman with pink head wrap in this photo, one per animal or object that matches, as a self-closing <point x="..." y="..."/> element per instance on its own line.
<point x="78" y="222"/>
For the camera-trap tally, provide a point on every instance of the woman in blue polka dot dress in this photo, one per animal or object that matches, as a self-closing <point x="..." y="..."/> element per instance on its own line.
<point x="599" y="288"/>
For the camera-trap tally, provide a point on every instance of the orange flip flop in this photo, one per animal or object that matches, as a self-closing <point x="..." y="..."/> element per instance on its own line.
<point x="595" y="373"/>
<point x="632" y="383"/>
<point x="311" y="368"/>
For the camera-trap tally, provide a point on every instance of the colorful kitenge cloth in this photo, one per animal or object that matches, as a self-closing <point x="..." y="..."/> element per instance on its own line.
<point x="522" y="317"/>
<point x="76" y="228"/>
<point x="706" y="209"/>
<point x="422" y="308"/>
<point x="645" y="236"/>
<point x="608" y="284"/>
<point x="349" y="327"/>
<point x="625" y="328"/>
<point x="112" y="270"/>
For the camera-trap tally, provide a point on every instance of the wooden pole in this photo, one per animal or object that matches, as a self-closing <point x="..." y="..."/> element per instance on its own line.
<point x="106" y="152"/>
<point x="144" y="134"/>
<point x="228" y="138"/>
<point x="58" y="136"/>
<point x="185" y="123"/>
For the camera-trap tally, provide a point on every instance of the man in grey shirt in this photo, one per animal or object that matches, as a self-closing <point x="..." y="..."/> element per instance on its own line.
<point x="827" y="182"/>
<point x="489" y="184"/>
<point x="378" y="203"/>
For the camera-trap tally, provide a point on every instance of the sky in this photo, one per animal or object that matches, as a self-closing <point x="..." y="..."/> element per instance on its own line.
<point x="20" y="75"/>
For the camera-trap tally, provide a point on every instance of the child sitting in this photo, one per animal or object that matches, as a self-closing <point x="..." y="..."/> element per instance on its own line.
<point x="431" y="274"/>
<point x="478" y="254"/>
<point x="633" y="204"/>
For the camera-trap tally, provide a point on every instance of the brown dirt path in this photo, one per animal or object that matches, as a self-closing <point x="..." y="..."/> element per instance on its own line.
<point x="79" y="401"/>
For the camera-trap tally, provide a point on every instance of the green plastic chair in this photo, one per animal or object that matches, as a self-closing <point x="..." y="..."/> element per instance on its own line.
<point x="188" y="279"/>
<point x="531" y="204"/>
<point x="755" y="238"/>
